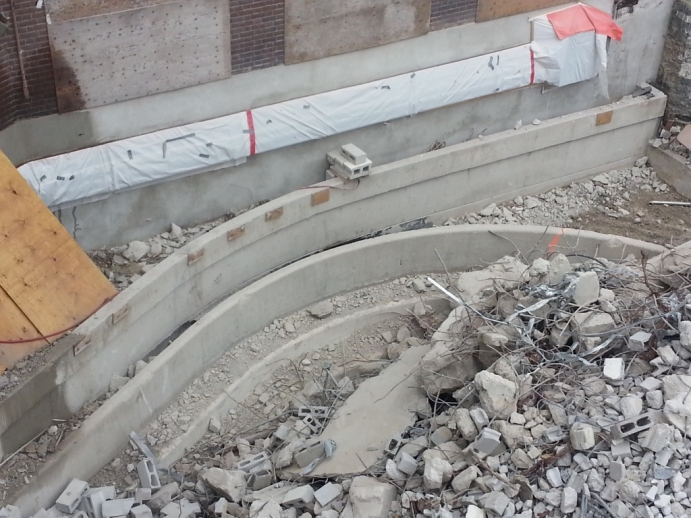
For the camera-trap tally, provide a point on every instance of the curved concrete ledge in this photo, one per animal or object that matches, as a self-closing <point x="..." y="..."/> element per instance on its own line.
<point x="458" y="178"/>
<point x="283" y="292"/>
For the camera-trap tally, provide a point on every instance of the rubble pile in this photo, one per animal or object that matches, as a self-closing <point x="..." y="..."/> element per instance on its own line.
<point x="556" y="387"/>
<point x="669" y="138"/>
<point x="607" y="193"/>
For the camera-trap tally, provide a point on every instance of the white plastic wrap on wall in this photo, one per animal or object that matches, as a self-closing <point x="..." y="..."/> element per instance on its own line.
<point x="94" y="173"/>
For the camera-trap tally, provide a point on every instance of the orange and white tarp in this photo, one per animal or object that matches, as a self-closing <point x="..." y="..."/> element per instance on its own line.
<point x="583" y="18"/>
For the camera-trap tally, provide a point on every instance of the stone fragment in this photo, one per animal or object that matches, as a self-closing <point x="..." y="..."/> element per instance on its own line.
<point x="655" y="399"/>
<point x="496" y="502"/>
<point x="327" y="493"/>
<point x="559" y="266"/>
<point x="464" y="479"/>
<point x="163" y="496"/>
<point x="406" y="463"/>
<point x="582" y="436"/>
<point x="592" y="323"/>
<point x="370" y="499"/>
<point x="505" y="273"/>
<point x="614" y="368"/>
<point x="136" y="251"/>
<point x="586" y="289"/>
<point x="437" y="471"/>
<point x="685" y="334"/>
<point x="521" y="459"/>
<point x="229" y="484"/>
<point x="497" y="395"/>
<point x="569" y="500"/>
<point x="631" y="406"/>
<point x="658" y="437"/>
<point x="322" y="309"/>
<point x="441" y="435"/>
<point x="639" y="341"/>
<point x="677" y="409"/>
<point x="487" y="441"/>
<point x="475" y="512"/>
<point x="617" y="470"/>
<point x="464" y="424"/>
<point x="553" y="476"/>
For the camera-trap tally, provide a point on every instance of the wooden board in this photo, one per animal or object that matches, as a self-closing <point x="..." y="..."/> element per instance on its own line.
<point x="117" y="56"/>
<point x="320" y="28"/>
<point x="47" y="282"/>
<point x="493" y="9"/>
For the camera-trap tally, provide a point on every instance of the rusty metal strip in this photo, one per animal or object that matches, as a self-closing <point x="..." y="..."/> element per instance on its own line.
<point x="22" y="71"/>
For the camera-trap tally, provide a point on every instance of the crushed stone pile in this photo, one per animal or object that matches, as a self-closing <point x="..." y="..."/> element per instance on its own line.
<point x="559" y="386"/>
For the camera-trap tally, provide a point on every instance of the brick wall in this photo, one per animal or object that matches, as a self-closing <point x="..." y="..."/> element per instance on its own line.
<point x="256" y="34"/>
<point x="451" y="13"/>
<point x="33" y="35"/>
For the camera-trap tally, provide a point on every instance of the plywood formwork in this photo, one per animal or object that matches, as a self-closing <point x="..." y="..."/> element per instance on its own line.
<point x="48" y="284"/>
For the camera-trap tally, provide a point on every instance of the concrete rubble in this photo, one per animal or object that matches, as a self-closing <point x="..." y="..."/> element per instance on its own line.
<point x="552" y="389"/>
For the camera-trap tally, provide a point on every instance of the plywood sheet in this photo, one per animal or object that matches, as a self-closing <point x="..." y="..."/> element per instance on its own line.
<point x="320" y="28"/>
<point x="123" y="55"/>
<point x="47" y="282"/>
<point x="15" y="326"/>
<point x="493" y="9"/>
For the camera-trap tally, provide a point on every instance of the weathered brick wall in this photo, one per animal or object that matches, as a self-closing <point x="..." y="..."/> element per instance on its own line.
<point x="451" y="13"/>
<point x="33" y="35"/>
<point x="256" y="34"/>
<point x="675" y="70"/>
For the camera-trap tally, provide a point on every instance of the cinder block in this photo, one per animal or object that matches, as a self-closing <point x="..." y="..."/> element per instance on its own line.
<point x="308" y="453"/>
<point x="488" y="441"/>
<point x="182" y="509"/>
<point x="70" y="498"/>
<point x="634" y="425"/>
<point x="313" y="424"/>
<point x="259" y="479"/>
<point x="318" y="412"/>
<point x="248" y="465"/>
<point x="354" y="154"/>
<point x="479" y="417"/>
<point x="148" y="475"/>
<point x="299" y="497"/>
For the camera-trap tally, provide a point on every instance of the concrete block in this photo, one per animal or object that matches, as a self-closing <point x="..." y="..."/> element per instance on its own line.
<point x="91" y="503"/>
<point x="479" y="417"/>
<point x="259" y="479"/>
<point x="582" y="436"/>
<point x="308" y="453"/>
<point x="121" y="507"/>
<point x="441" y="435"/>
<point x="142" y="495"/>
<point x="620" y="448"/>
<point x="327" y="493"/>
<point x="586" y="289"/>
<point x="300" y="496"/>
<point x="659" y="437"/>
<point x="141" y="511"/>
<point x="318" y="412"/>
<point x="70" y="498"/>
<point x="614" y="368"/>
<point x="475" y="512"/>
<point x="353" y="153"/>
<point x="148" y="475"/>
<point x="634" y="425"/>
<point x="617" y="470"/>
<point x="182" y="509"/>
<point x="553" y="476"/>
<point x="488" y="441"/>
<point x="406" y="463"/>
<point x="639" y="341"/>
<point x="590" y="322"/>
<point x="252" y="463"/>
<point x="313" y="424"/>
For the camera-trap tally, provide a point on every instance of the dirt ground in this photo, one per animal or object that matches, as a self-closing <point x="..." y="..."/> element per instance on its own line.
<point x="658" y="223"/>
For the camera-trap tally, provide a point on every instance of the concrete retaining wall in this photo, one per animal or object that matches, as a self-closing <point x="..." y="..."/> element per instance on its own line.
<point x="294" y="287"/>
<point x="423" y="189"/>
<point x="672" y="168"/>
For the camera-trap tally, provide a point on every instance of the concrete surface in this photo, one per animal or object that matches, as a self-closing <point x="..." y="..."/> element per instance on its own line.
<point x="281" y="293"/>
<point x="457" y="178"/>
<point x="330" y="27"/>
<point x="672" y="168"/>
<point x="332" y="331"/>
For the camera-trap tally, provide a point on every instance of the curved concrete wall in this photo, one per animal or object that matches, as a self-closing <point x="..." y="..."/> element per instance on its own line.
<point x="458" y="178"/>
<point x="283" y="292"/>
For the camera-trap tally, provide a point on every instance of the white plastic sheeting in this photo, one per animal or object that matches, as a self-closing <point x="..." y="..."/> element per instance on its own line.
<point x="95" y="173"/>
<point x="574" y="59"/>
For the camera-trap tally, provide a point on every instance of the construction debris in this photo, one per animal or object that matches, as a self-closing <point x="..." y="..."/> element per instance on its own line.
<point x="550" y="390"/>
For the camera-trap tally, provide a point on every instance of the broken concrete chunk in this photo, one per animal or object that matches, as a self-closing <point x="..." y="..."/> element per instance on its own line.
<point x="505" y="273"/>
<point x="658" y="437"/>
<point x="322" y="309"/>
<point x="229" y="484"/>
<point x="569" y="500"/>
<point x="685" y="334"/>
<point x="497" y="395"/>
<point x="163" y="496"/>
<point x="613" y="368"/>
<point x="592" y="323"/>
<point x="465" y="424"/>
<point x="559" y="266"/>
<point x="437" y="472"/>
<point x="487" y="442"/>
<point x="582" y="436"/>
<point x="677" y="409"/>
<point x="371" y="499"/>
<point x="631" y="406"/>
<point x="585" y="289"/>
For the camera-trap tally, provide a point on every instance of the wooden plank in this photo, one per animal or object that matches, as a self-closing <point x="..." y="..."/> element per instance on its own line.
<point x="117" y="56"/>
<point x="492" y="9"/>
<point x="320" y="28"/>
<point x="44" y="272"/>
<point x="14" y="325"/>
